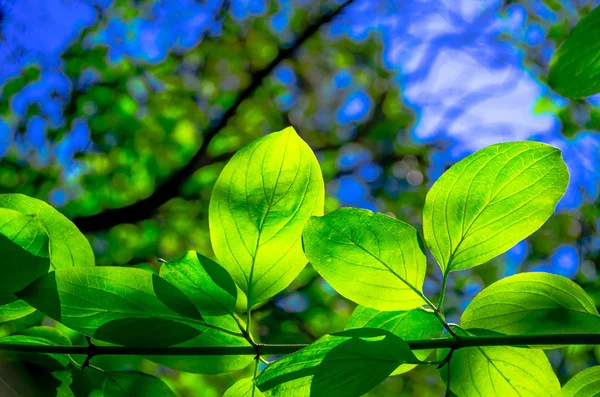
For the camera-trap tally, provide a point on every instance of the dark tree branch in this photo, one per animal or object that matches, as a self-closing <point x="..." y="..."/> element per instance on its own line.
<point x="421" y="344"/>
<point x="169" y="189"/>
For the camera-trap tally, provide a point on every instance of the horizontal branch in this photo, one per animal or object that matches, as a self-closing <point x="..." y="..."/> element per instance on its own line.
<point x="438" y="343"/>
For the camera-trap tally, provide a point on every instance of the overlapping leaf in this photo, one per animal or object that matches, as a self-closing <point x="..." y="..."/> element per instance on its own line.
<point x="489" y="201"/>
<point x="39" y="336"/>
<point x="208" y="338"/>
<point x="125" y="306"/>
<point x="533" y="303"/>
<point x="372" y="259"/>
<point x="346" y="364"/>
<point x="258" y="208"/>
<point x="207" y="284"/>
<point x="68" y="247"/>
<point x="408" y="325"/>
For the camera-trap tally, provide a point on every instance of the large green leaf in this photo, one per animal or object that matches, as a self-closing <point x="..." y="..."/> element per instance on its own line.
<point x="533" y="303"/>
<point x="125" y="306"/>
<point x="258" y="208"/>
<point x="135" y="384"/>
<point x="210" y="337"/>
<point x="243" y="388"/>
<point x="575" y="67"/>
<point x="24" y="251"/>
<point x="207" y="284"/>
<point x="409" y="325"/>
<point x="501" y="371"/>
<point x="372" y="259"/>
<point x="68" y="247"/>
<point x="39" y="336"/>
<point x="585" y="384"/>
<point x="346" y="364"/>
<point x="491" y="200"/>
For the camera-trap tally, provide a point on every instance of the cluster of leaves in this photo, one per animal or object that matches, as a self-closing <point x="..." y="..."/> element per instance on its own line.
<point x="266" y="223"/>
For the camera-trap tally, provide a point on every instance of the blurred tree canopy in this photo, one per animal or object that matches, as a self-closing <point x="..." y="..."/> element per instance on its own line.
<point x="123" y="113"/>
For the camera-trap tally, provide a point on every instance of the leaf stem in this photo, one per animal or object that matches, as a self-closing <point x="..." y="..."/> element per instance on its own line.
<point x="264" y="349"/>
<point x="443" y="291"/>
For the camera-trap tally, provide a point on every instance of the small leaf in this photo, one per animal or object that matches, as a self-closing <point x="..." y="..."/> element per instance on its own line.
<point x="584" y="384"/>
<point x="210" y="364"/>
<point x="371" y="259"/>
<point x="533" y="303"/>
<point x="135" y="384"/>
<point x="346" y="364"/>
<point x="243" y="388"/>
<point x="575" y="66"/>
<point x="39" y="336"/>
<point x="207" y="284"/>
<point x="500" y="371"/>
<point x="258" y="208"/>
<point x="24" y="251"/>
<point x="116" y="305"/>
<point x="408" y="325"/>
<point x="491" y="200"/>
<point x="68" y="246"/>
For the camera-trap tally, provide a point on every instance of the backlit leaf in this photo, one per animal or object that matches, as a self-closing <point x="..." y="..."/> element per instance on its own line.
<point x="491" y="200"/>
<point x="584" y="384"/>
<point x="346" y="364"/>
<point x="501" y="371"/>
<point x="370" y="258"/>
<point x="258" y="208"/>
<point x="533" y="303"/>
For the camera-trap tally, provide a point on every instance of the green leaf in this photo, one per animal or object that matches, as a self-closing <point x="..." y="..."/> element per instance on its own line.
<point x="408" y="325"/>
<point x="24" y="248"/>
<point x="135" y="384"/>
<point x="243" y="388"/>
<point x="371" y="259"/>
<point x="500" y="371"/>
<point x="68" y="246"/>
<point x="125" y="306"/>
<point x="575" y="67"/>
<point x="12" y="308"/>
<point x="491" y="200"/>
<point x="585" y="384"/>
<point x="533" y="303"/>
<point x="39" y="336"/>
<point x="346" y="364"/>
<point x="211" y="337"/>
<point x="258" y="208"/>
<point x="206" y="283"/>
